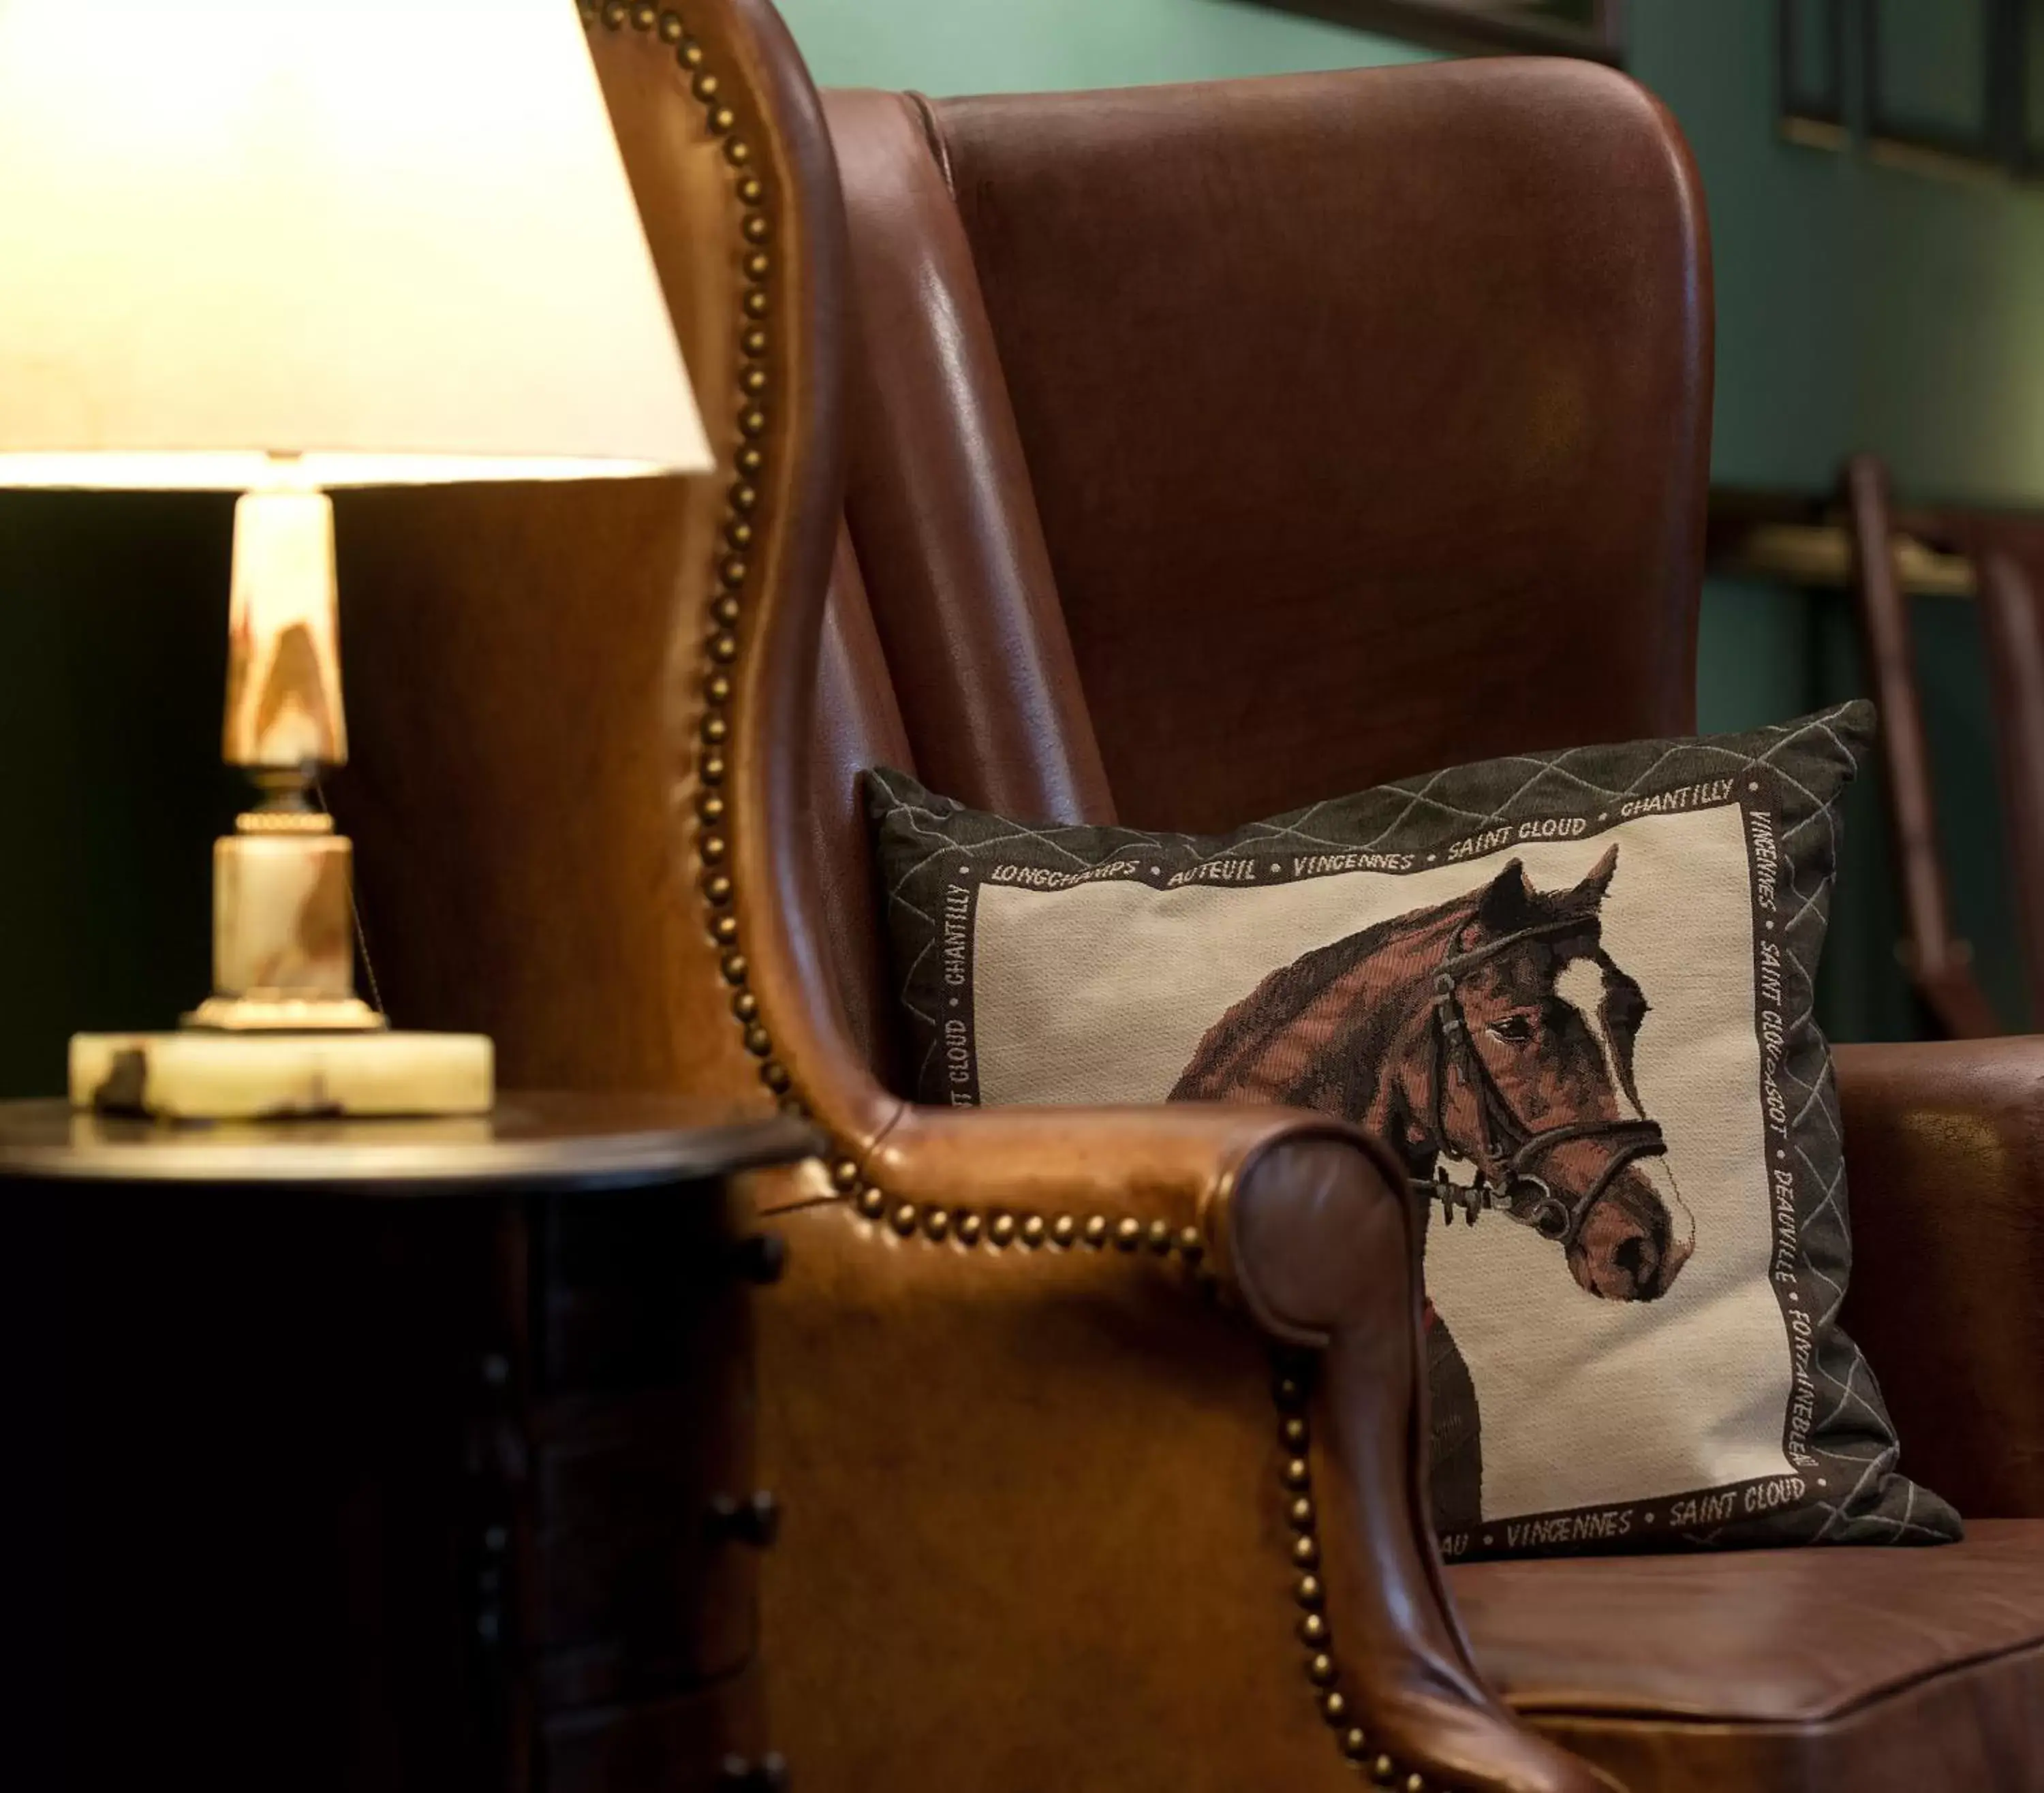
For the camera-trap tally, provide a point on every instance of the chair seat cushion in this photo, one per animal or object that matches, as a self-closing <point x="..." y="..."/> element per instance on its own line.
<point x="1914" y="1671"/>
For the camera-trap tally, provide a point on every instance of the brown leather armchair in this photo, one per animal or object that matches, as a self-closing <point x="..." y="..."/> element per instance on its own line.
<point x="1209" y="449"/>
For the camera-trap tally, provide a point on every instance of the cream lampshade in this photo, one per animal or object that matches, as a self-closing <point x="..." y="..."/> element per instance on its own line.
<point x="278" y="246"/>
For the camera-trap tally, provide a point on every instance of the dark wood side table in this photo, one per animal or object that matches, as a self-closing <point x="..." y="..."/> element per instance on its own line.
<point x="388" y="1454"/>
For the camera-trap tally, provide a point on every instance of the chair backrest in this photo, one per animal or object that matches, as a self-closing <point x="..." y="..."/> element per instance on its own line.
<point x="1215" y="448"/>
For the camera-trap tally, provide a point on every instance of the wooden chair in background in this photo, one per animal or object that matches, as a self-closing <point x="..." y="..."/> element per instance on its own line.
<point x="2008" y="559"/>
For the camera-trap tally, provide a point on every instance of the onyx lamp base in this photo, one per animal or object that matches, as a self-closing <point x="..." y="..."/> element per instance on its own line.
<point x="197" y="1075"/>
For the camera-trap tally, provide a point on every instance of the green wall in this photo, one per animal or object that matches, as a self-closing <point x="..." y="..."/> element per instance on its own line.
<point x="1858" y="306"/>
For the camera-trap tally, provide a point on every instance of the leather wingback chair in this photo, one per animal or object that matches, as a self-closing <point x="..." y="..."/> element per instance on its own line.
<point x="1208" y="448"/>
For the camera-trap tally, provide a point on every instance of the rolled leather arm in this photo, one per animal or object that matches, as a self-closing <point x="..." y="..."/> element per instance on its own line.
<point x="1945" y="1163"/>
<point x="1329" y="1244"/>
<point x="1178" y="1166"/>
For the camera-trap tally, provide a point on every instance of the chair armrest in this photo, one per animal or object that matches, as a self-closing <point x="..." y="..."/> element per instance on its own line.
<point x="1945" y="1161"/>
<point x="1163" y="1177"/>
<point x="1310" y="1221"/>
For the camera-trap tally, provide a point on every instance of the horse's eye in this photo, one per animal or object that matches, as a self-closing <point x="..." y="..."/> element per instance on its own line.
<point x="1514" y="1030"/>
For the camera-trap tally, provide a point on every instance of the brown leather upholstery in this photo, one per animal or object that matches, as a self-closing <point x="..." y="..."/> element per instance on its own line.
<point x="1267" y="349"/>
<point x="1366" y="427"/>
<point x="1891" y="1672"/>
<point x="1944" y="1159"/>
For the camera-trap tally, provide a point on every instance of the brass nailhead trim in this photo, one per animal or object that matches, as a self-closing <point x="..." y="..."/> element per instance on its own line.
<point x="1000" y="1230"/>
<point x="1290" y="1392"/>
<point x="722" y="646"/>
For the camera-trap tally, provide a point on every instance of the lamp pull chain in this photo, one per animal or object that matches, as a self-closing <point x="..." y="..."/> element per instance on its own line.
<point x="354" y="914"/>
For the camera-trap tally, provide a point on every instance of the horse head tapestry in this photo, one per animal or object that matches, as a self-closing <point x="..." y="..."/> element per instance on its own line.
<point x="1572" y="991"/>
<point x="1492" y="1030"/>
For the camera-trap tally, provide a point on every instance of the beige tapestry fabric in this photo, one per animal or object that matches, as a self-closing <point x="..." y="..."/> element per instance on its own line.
<point x="1572" y="991"/>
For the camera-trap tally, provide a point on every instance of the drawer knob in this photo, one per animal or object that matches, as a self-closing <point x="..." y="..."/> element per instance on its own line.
<point x="763" y="1258"/>
<point x="754" y="1520"/>
<point x="768" y="1774"/>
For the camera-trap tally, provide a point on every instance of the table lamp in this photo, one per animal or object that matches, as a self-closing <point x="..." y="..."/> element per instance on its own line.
<point x="275" y="246"/>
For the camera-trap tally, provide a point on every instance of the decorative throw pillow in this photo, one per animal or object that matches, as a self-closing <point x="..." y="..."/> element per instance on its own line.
<point x="1572" y="991"/>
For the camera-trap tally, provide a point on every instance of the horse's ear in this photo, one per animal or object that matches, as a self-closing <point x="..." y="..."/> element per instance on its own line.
<point x="1506" y="905"/>
<point x="1590" y="892"/>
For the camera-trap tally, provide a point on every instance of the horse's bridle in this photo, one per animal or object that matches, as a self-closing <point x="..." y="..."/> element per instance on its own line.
<point x="1528" y="1199"/>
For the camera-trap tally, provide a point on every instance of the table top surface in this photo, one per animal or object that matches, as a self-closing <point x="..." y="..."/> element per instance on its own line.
<point x="549" y="1141"/>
